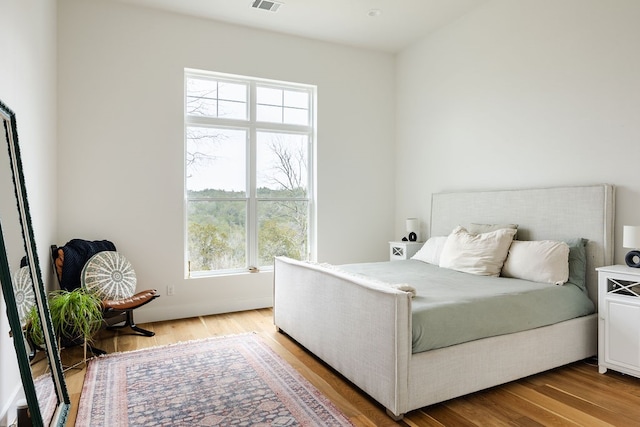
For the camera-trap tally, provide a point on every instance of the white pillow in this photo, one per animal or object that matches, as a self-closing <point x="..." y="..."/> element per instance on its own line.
<point x="431" y="250"/>
<point x="481" y="254"/>
<point x="485" y="228"/>
<point x="541" y="261"/>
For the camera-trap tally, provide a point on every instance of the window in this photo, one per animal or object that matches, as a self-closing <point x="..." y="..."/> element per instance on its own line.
<point x="248" y="162"/>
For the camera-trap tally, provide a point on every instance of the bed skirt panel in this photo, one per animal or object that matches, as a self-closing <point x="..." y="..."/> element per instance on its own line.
<point x="450" y="372"/>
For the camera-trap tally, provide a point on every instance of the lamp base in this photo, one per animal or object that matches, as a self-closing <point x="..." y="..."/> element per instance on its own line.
<point x="633" y="259"/>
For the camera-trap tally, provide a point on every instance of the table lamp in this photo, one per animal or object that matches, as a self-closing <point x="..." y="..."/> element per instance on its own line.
<point x="631" y="240"/>
<point x="413" y="227"/>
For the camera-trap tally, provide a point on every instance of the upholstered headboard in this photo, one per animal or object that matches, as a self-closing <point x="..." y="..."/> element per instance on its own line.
<point x="557" y="213"/>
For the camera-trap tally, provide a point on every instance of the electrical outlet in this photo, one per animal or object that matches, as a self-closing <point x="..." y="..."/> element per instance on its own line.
<point x="170" y="290"/>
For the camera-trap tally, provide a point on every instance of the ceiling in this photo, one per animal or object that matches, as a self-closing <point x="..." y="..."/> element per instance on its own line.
<point x="397" y="24"/>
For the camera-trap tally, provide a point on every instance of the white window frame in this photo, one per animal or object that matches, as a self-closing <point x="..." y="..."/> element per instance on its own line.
<point x="253" y="127"/>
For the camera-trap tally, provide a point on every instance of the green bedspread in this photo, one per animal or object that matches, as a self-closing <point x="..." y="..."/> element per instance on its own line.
<point x="452" y="307"/>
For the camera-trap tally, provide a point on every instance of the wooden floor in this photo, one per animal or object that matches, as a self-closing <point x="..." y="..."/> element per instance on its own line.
<point x="574" y="395"/>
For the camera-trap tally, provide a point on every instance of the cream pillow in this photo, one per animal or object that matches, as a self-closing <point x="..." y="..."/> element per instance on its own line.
<point x="543" y="261"/>
<point x="481" y="254"/>
<point x="431" y="250"/>
<point x="485" y="228"/>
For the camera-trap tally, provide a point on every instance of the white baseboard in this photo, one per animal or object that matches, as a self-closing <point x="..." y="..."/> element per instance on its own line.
<point x="151" y="313"/>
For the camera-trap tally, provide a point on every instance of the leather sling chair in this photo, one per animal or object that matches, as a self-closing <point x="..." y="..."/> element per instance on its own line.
<point x="73" y="264"/>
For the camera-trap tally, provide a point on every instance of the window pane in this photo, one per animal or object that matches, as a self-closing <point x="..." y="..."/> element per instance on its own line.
<point x="214" y="98"/>
<point x="216" y="235"/>
<point x="281" y="163"/>
<point x="232" y="110"/>
<point x="296" y="99"/>
<point x="267" y="113"/>
<point x="215" y="162"/>
<point x="202" y="97"/>
<point x="269" y="105"/>
<point x="282" y="106"/>
<point x="268" y="96"/>
<point x="296" y="116"/>
<point x="232" y="91"/>
<point x="282" y="230"/>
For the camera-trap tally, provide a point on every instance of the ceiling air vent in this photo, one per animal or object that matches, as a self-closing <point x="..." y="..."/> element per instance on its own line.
<point x="271" y="6"/>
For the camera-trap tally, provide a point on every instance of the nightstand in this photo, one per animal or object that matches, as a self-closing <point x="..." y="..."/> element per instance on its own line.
<point x="619" y="319"/>
<point x="403" y="250"/>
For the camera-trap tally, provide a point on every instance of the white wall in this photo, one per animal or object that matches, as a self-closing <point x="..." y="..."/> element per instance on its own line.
<point x="522" y="94"/>
<point x="28" y="87"/>
<point x="515" y="94"/>
<point x="121" y="141"/>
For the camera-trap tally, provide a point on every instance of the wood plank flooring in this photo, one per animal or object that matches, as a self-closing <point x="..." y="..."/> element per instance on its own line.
<point x="574" y="395"/>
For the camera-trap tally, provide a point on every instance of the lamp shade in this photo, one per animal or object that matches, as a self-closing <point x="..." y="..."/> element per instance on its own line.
<point x="413" y="228"/>
<point x="412" y="225"/>
<point x="631" y="237"/>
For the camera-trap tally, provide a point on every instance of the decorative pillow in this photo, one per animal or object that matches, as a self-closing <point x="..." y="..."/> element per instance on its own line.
<point x="481" y="254"/>
<point x="542" y="261"/>
<point x="431" y="250"/>
<point x="578" y="262"/>
<point x="475" y="228"/>
<point x="23" y="290"/>
<point x="109" y="275"/>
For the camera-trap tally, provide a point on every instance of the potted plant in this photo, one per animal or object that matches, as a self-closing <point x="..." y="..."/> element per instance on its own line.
<point x="75" y="315"/>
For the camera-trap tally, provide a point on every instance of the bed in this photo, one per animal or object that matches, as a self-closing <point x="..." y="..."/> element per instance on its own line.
<point x="362" y="327"/>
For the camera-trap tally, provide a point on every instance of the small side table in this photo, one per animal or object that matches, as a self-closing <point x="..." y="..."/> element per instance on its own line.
<point x="403" y="250"/>
<point x="619" y="319"/>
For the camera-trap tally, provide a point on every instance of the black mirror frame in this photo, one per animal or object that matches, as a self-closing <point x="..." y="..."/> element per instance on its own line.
<point x="50" y="342"/>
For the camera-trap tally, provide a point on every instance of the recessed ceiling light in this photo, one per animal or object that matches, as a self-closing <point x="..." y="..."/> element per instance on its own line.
<point x="374" y="12"/>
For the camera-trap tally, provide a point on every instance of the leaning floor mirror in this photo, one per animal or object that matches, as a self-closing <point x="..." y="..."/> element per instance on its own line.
<point x="24" y="291"/>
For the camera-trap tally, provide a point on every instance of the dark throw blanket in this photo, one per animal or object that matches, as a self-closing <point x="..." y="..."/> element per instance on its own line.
<point x="76" y="254"/>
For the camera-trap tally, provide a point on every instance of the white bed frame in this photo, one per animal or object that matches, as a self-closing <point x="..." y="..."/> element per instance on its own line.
<point x="363" y="329"/>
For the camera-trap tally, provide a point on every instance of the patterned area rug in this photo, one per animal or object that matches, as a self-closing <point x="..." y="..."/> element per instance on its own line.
<point x="47" y="399"/>
<point x="227" y="381"/>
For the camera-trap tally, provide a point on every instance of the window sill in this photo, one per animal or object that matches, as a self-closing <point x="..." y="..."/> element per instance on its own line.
<point x="227" y="273"/>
